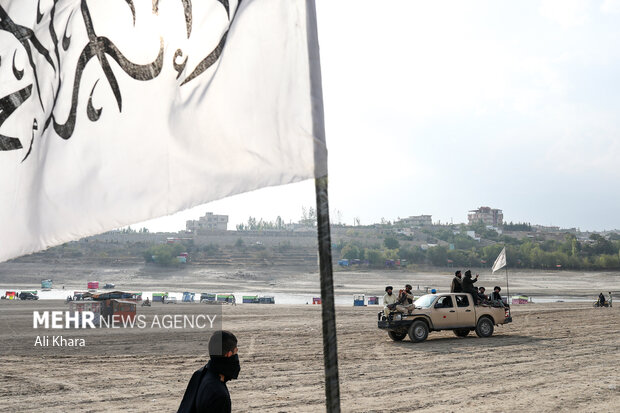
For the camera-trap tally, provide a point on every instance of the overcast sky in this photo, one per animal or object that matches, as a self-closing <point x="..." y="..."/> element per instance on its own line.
<point x="441" y="107"/>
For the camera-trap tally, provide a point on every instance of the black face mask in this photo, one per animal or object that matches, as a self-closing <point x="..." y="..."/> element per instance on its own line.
<point x="229" y="367"/>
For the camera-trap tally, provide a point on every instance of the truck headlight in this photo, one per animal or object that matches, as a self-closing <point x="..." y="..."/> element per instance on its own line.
<point x="398" y="317"/>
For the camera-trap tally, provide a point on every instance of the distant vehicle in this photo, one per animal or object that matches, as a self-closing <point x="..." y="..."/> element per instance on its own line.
<point x="226" y="299"/>
<point x="170" y="300"/>
<point x="358" y="300"/>
<point x="266" y="300"/>
<point x="26" y="295"/>
<point x="446" y="311"/>
<point x="208" y="298"/>
<point x="109" y="286"/>
<point x="255" y="299"/>
<point x="373" y="300"/>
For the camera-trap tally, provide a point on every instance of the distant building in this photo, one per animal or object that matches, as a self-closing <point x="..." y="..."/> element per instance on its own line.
<point x="543" y="228"/>
<point x="416" y="221"/>
<point x="209" y="222"/>
<point x="488" y="216"/>
<point x="405" y="231"/>
<point x="472" y="235"/>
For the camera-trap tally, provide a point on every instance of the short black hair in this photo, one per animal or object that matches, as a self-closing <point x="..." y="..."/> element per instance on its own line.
<point x="222" y="342"/>
<point x="389" y="287"/>
<point x="468" y="272"/>
<point x="497" y="287"/>
<point x="457" y="272"/>
<point x="408" y="286"/>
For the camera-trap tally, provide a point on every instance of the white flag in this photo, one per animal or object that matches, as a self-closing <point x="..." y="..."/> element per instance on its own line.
<point x="500" y="261"/>
<point x="114" y="112"/>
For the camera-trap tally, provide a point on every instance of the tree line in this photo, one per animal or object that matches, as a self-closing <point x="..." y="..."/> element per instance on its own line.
<point x="597" y="253"/>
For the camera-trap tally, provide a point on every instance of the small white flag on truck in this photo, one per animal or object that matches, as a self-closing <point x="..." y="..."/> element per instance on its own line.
<point x="114" y="112"/>
<point x="500" y="261"/>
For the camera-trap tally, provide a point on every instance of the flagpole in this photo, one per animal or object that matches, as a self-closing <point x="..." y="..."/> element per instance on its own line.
<point x="328" y="310"/>
<point x="330" y="351"/>
<point x="507" y="288"/>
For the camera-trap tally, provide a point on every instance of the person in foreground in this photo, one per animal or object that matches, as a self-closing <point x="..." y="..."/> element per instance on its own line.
<point x="206" y="390"/>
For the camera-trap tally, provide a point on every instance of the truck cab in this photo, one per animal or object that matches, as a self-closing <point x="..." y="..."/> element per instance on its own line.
<point x="446" y="311"/>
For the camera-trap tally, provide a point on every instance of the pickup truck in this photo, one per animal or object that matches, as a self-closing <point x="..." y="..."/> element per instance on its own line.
<point x="447" y="311"/>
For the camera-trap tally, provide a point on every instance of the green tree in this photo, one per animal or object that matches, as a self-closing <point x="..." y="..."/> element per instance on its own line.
<point x="414" y="255"/>
<point x="164" y="254"/>
<point x="391" y="254"/>
<point x="438" y="256"/>
<point x="391" y="243"/>
<point x="351" y="251"/>
<point x="375" y="257"/>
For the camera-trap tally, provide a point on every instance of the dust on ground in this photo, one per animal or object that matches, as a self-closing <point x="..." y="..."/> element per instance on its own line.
<point x="553" y="357"/>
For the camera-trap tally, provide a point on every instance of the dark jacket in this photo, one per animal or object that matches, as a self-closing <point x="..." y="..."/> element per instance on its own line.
<point x="457" y="285"/>
<point x="496" y="296"/>
<point x="468" y="285"/>
<point x="205" y="393"/>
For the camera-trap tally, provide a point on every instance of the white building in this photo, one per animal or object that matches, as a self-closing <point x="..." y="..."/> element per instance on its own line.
<point x="488" y="216"/>
<point x="209" y="222"/>
<point x="416" y="221"/>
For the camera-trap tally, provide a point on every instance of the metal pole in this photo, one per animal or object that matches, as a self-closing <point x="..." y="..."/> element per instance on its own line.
<point x="507" y="288"/>
<point x="330" y="350"/>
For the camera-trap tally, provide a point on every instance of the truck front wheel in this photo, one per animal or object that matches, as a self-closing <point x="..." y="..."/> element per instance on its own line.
<point x="484" y="328"/>
<point x="418" y="331"/>
<point x="397" y="335"/>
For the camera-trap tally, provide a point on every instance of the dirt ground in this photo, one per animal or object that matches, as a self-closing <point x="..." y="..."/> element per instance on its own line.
<point x="260" y="279"/>
<point x="553" y="357"/>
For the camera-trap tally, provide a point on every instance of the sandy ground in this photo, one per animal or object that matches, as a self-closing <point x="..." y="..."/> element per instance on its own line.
<point x="26" y="276"/>
<point x="554" y="357"/>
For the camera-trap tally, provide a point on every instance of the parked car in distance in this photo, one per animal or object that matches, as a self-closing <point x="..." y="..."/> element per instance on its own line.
<point x="28" y="296"/>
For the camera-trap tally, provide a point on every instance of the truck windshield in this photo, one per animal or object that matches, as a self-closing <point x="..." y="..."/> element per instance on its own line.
<point x="425" y="301"/>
